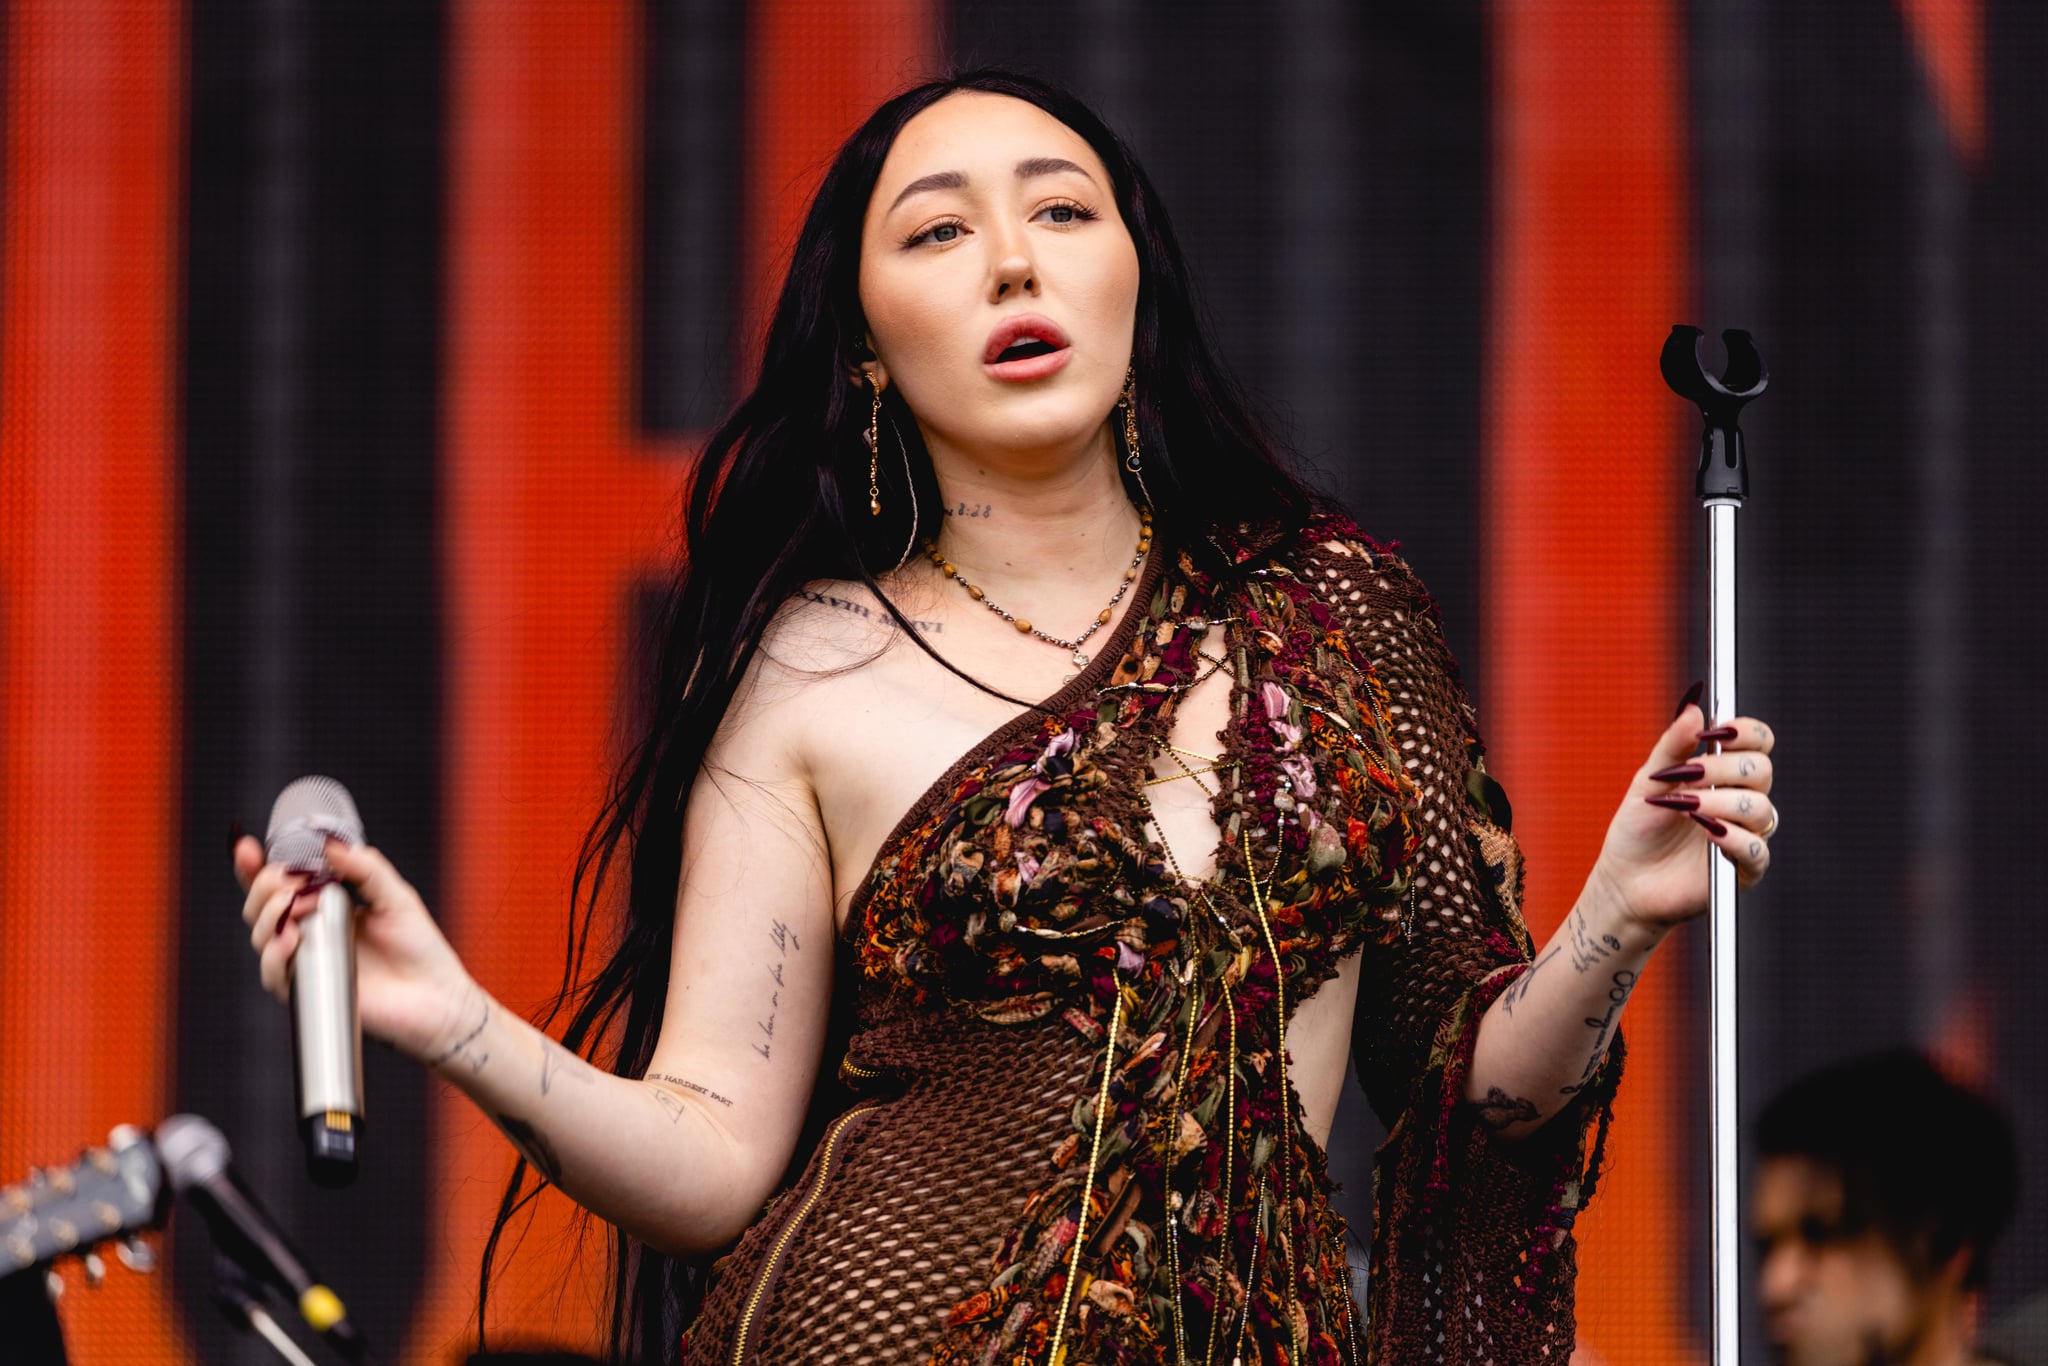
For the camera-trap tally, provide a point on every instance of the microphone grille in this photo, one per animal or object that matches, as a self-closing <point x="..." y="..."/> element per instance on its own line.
<point x="193" y="1151"/>
<point x="307" y="812"/>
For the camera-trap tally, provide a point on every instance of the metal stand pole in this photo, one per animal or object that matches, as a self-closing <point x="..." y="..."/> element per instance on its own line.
<point x="1722" y="487"/>
<point x="1725" y="1184"/>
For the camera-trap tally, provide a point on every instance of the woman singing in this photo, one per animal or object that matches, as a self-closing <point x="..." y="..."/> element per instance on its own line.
<point x="1043" y="793"/>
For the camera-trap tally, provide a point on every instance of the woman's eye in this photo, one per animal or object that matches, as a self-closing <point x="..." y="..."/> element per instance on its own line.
<point x="945" y="232"/>
<point x="1067" y="213"/>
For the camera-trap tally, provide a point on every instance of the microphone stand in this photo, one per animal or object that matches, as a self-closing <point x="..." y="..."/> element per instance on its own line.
<point x="241" y="1302"/>
<point x="1722" y="488"/>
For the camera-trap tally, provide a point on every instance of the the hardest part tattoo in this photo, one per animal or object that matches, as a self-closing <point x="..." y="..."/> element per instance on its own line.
<point x="673" y="1080"/>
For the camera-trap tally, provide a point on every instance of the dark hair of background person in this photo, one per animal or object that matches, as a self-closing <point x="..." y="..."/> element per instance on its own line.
<point x="779" y="498"/>
<point x="1925" y="1163"/>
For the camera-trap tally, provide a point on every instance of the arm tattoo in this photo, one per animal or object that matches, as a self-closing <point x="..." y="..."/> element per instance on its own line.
<point x="532" y="1147"/>
<point x="1588" y="950"/>
<point x="689" y="1085"/>
<point x="465" y="1047"/>
<point x="1519" y="988"/>
<point x="667" y="1102"/>
<point x="557" y="1062"/>
<point x="1624" y="982"/>
<point x="785" y="942"/>
<point x="1500" y="1109"/>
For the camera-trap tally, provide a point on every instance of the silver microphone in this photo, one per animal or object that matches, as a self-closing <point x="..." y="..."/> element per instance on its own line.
<point x="327" y="1035"/>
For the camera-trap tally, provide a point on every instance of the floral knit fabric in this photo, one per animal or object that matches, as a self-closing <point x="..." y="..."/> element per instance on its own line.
<point x="1067" y="1133"/>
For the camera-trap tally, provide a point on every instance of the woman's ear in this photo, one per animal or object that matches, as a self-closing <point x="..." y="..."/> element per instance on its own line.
<point x="871" y="373"/>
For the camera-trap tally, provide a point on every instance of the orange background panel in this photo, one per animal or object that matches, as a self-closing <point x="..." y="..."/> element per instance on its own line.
<point x="89" y="592"/>
<point x="1583" y="481"/>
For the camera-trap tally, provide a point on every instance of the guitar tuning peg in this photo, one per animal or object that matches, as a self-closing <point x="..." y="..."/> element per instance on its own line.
<point x="136" y="1255"/>
<point x="53" y="1285"/>
<point x="95" y="1270"/>
<point x="123" y="1137"/>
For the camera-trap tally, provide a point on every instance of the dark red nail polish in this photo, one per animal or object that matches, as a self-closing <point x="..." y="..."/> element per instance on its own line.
<point x="1718" y="735"/>
<point x="1679" y="773"/>
<point x="1712" y="826"/>
<point x="1692" y="695"/>
<point x="1675" y="801"/>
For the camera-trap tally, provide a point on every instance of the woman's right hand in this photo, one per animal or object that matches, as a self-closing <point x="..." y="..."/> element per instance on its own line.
<point x="411" y="988"/>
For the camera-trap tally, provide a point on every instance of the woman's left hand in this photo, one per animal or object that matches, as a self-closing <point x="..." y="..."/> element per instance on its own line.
<point x="1680" y="802"/>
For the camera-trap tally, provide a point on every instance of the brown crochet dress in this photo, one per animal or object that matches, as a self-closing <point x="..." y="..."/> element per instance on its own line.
<point x="1069" y="1137"/>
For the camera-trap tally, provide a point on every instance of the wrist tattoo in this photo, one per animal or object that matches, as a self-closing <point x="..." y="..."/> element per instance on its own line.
<point x="465" y="1047"/>
<point x="688" y="1085"/>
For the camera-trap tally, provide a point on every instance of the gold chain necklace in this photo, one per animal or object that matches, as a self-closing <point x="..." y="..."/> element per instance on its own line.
<point x="1024" y="627"/>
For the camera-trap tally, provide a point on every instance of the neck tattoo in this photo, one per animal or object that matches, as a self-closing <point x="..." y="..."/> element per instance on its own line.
<point x="1024" y="627"/>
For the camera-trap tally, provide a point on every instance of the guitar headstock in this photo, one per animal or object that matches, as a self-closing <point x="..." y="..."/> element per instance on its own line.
<point x="111" y="1192"/>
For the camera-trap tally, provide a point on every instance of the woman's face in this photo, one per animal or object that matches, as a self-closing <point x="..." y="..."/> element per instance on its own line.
<point x="999" y="282"/>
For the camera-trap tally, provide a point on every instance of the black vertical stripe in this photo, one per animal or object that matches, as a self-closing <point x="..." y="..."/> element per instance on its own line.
<point x="312" y="618"/>
<point x="692" y="209"/>
<point x="2008" y="580"/>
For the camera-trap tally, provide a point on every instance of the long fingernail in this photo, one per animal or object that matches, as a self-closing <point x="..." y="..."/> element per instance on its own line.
<point x="1718" y="735"/>
<point x="1713" y="827"/>
<point x="235" y="833"/>
<point x="1692" y="695"/>
<point x="1675" y="801"/>
<point x="1679" y="773"/>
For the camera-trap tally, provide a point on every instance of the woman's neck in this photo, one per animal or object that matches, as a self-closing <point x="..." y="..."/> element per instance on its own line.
<point x="1054" y="526"/>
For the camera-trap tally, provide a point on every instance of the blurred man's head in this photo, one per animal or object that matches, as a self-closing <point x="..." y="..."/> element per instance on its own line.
<point x="1880" y="1189"/>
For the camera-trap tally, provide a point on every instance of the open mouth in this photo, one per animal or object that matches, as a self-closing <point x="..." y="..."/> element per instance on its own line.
<point x="1024" y="349"/>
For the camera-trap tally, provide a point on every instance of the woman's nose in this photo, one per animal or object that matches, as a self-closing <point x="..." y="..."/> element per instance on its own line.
<point x="1013" y="272"/>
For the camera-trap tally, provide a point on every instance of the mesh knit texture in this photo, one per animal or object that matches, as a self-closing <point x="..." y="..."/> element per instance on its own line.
<point x="1020" y="908"/>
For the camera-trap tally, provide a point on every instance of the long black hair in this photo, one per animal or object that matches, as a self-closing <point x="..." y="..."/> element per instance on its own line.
<point x="778" y="499"/>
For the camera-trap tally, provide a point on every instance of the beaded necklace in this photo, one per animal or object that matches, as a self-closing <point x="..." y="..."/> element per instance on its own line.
<point x="1024" y="627"/>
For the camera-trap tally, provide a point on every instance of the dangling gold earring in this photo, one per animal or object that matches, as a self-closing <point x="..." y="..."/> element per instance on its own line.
<point x="1128" y="401"/>
<point x="873" y="436"/>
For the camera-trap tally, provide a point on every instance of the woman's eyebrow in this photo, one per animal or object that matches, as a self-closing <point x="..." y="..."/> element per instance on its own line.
<point x="1038" y="166"/>
<point x="937" y="180"/>
<point x="957" y="180"/>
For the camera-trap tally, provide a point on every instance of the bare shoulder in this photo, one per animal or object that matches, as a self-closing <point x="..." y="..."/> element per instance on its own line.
<point x="824" y="646"/>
